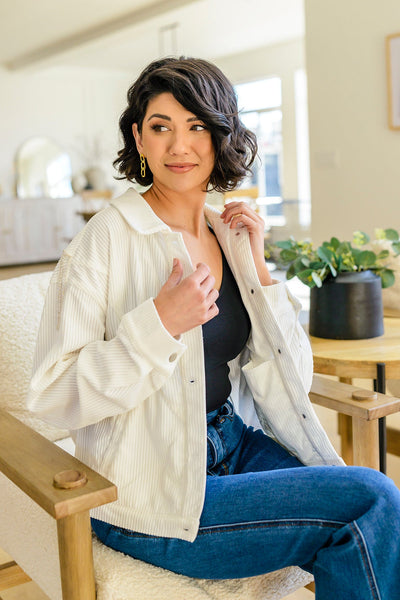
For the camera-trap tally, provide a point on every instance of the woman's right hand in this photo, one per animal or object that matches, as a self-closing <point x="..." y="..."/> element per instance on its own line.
<point x="185" y="303"/>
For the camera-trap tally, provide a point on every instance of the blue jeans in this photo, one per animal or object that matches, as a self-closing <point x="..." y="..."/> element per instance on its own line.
<point x="264" y="510"/>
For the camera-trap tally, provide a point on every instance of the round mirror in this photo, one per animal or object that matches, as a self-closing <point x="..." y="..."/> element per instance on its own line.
<point x="43" y="170"/>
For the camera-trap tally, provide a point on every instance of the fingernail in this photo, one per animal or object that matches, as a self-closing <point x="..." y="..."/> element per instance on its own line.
<point x="175" y="262"/>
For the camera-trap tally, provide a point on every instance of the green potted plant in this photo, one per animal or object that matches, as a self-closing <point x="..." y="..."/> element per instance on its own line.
<point x="346" y="281"/>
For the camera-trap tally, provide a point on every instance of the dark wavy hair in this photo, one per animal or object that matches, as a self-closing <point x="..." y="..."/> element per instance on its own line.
<point x="202" y="89"/>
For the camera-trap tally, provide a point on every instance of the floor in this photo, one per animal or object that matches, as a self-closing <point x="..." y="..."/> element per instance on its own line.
<point x="29" y="591"/>
<point x="15" y="271"/>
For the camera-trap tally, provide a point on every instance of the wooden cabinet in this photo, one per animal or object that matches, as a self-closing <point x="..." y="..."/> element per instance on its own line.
<point x="37" y="230"/>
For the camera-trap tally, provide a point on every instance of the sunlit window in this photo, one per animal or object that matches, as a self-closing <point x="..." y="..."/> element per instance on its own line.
<point x="260" y="106"/>
<point x="259" y="95"/>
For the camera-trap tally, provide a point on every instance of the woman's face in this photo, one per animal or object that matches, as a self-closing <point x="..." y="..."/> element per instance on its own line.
<point x="176" y="144"/>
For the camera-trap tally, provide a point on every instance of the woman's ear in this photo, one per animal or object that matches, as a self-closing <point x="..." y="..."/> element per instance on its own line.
<point x="138" y="138"/>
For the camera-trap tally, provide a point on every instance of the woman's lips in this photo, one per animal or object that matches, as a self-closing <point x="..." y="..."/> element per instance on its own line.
<point x="180" y="167"/>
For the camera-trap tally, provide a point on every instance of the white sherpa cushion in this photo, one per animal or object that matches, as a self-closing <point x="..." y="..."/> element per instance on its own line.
<point x="21" y="305"/>
<point x="120" y="577"/>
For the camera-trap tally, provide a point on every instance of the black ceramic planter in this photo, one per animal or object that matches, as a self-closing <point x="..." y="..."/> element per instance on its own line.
<point x="347" y="307"/>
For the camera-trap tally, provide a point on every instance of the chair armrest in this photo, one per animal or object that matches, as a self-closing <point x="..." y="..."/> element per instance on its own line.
<point x="338" y="396"/>
<point x="31" y="461"/>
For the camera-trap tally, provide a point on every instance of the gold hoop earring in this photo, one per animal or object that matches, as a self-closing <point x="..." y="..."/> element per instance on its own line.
<point x="142" y="166"/>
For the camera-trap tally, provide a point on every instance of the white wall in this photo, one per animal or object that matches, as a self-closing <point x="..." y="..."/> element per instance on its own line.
<point x="355" y="157"/>
<point x="281" y="60"/>
<point x="71" y="106"/>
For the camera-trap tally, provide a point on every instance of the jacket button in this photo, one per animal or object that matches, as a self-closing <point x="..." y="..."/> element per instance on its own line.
<point x="173" y="357"/>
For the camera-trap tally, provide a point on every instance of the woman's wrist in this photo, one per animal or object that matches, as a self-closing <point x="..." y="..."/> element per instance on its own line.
<point x="264" y="275"/>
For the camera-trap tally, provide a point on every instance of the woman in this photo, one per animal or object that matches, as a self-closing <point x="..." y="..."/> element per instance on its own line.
<point x="161" y="325"/>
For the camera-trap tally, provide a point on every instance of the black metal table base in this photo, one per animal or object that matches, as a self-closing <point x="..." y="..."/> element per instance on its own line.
<point x="380" y="387"/>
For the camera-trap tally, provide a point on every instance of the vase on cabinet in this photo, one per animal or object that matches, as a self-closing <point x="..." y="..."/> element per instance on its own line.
<point x="96" y="178"/>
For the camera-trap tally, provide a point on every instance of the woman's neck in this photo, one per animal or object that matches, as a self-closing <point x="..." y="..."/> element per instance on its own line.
<point x="181" y="212"/>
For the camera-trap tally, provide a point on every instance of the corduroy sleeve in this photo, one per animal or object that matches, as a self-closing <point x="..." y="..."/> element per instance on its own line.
<point x="79" y="377"/>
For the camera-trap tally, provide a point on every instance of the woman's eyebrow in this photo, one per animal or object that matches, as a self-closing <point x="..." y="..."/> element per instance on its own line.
<point x="167" y="118"/>
<point x="159" y="116"/>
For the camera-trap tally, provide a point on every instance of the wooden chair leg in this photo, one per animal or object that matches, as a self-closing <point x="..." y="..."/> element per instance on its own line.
<point x="310" y="586"/>
<point x="11" y="575"/>
<point x="76" y="557"/>
<point x="366" y="443"/>
<point x="345" y="428"/>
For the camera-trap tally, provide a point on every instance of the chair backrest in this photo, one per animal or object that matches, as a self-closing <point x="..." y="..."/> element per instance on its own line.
<point x="29" y="535"/>
<point x="21" y="306"/>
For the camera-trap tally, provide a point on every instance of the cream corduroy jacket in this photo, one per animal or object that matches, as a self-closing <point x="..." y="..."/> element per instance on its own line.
<point x="132" y="395"/>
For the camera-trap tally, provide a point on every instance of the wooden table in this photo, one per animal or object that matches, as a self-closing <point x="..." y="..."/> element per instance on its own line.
<point x="374" y="358"/>
<point x="87" y="215"/>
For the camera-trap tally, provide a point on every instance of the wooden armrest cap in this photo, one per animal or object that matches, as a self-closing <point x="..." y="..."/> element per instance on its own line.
<point x="364" y="395"/>
<point x="66" y="480"/>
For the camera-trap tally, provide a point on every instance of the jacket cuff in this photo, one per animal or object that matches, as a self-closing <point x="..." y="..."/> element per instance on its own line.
<point x="146" y="332"/>
<point x="280" y="298"/>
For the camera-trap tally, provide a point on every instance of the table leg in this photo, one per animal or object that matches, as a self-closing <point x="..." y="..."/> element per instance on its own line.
<point x="366" y="443"/>
<point x="380" y="387"/>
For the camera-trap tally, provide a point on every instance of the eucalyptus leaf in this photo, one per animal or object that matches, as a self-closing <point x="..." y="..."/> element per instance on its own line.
<point x="360" y="238"/>
<point x="333" y="270"/>
<point x="291" y="272"/>
<point x="383" y="254"/>
<point x="343" y="248"/>
<point x="366" y="258"/>
<point x="325" y="254"/>
<point x="356" y="257"/>
<point x="298" y="264"/>
<point x="306" y="277"/>
<point x="387" y="277"/>
<point x="317" y="264"/>
<point x="316" y="279"/>
<point x="391" y="234"/>
<point x="288" y="255"/>
<point x="396" y="248"/>
<point x="285" y="244"/>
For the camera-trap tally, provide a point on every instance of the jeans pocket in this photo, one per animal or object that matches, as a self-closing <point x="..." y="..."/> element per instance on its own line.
<point x="226" y="412"/>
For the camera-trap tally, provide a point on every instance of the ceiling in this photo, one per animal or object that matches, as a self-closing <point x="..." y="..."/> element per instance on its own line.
<point x="127" y="34"/>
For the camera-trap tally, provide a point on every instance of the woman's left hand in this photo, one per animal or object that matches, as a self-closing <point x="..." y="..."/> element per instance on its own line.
<point x="239" y="214"/>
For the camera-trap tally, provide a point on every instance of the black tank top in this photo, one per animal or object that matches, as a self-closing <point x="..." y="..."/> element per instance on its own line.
<point x="224" y="337"/>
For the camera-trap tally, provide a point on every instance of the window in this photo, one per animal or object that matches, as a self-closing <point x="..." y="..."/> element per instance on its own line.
<point x="260" y="107"/>
<point x="260" y="103"/>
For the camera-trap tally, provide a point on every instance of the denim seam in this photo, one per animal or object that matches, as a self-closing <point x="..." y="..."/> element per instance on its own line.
<point x="274" y="523"/>
<point x="220" y="434"/>
<point x="366" y="560"/>
<point x="209" y="439"/>
<point x="131" y="534"/>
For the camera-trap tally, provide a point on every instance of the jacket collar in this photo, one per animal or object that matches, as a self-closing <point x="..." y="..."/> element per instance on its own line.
<point x="138" y="214"/>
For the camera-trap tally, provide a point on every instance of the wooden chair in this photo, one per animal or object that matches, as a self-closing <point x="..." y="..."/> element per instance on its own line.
<point x="93" y="201"/>
<point x="251" y="192"/>
<point x="47" y="493"/>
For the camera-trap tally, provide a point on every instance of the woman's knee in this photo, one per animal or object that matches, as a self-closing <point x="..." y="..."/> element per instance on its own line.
<point x="374" y="485"/>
